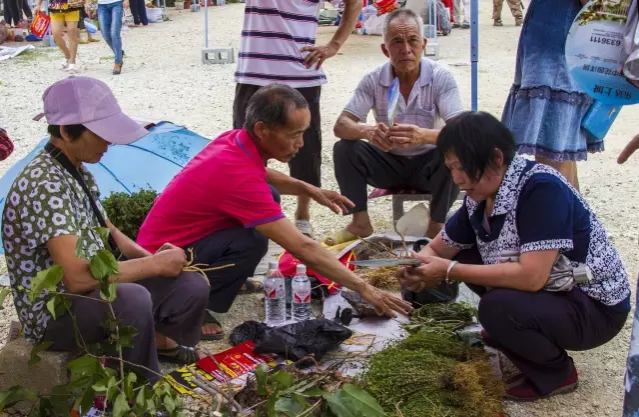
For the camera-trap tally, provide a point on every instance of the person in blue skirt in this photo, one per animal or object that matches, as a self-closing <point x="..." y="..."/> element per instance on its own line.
<point x="545" y="107"/>
<point x="631" y="381"/>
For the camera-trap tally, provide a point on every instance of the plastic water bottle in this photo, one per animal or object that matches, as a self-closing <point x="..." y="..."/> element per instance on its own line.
<point x="301" y="288"/>
<point x="275" y="295"/>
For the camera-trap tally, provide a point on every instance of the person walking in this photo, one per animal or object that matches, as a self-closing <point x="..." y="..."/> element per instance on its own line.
<point x="66" y="12"/>
<point x="17" y="7"/>
<point x="6" y="10"/>
<point x="545" y="106"/>
<point x="516" y="8"/>
<point x="278" y="45"/>
<point x="457" y="5"/>
<point x="110" y="14"/>
<point x="82" y="28"/>
<point x="138" y="10"/>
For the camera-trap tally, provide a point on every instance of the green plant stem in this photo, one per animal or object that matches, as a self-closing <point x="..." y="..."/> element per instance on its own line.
<point x="119" y="344"/>
<point x="68" y="294"/>
<point x="228" y="381"/>
<point x="226" y="396"/>
<point x="76" y="328"/>
<point x="314" y="407"/>
<point x="135" y="365"/>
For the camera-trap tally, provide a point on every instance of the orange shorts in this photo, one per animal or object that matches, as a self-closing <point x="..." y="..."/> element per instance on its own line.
<point x="70" y="16"/>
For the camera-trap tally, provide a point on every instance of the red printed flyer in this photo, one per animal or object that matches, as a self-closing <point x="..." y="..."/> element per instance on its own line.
<point x="234" y="362"/>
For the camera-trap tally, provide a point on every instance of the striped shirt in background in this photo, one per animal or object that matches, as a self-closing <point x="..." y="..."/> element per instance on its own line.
<point x="273" y="34"/>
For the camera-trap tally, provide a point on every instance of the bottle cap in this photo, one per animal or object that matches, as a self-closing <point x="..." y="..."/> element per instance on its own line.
<point x="300" y="269"/>
<point x="273" y="265"/>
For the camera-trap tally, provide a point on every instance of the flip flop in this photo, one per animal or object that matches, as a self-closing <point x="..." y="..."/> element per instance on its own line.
<point x="252" y="286"/>
<point x="209" y="318"/>
<point x="339" y="237"/>
<point x="179" y="355"/>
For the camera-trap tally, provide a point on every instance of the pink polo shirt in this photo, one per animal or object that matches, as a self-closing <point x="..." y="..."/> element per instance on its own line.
<point x="223" y="186"/>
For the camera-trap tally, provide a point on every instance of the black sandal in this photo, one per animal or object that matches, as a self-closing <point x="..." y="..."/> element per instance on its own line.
<point x="209" y="318"/>
<point x="179" y="355"/>
<point x="252" y="286"/>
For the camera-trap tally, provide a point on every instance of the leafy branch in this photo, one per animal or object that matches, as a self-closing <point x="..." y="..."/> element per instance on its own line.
<point x="128" y="393"/>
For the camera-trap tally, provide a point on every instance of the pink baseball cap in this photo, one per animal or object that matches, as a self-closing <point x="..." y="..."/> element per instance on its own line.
<point x="90" y="102"/>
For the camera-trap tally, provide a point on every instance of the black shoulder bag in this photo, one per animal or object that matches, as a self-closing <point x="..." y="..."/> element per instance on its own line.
<point x="59" y="156"/>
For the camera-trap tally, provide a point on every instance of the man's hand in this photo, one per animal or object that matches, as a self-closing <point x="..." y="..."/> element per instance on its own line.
<point x="38" y="7"/>
<point x="385" y="304"/>
<point x="630" y="148"/>
<point x="331" y="199"/>
<point x="126" y="4"/>
<point x="318" y="54"/>
<point x="87" y="9"/>
<point x="380" y="139"/>
<point x="170" y="262"/>
<point x="406" y="136"/>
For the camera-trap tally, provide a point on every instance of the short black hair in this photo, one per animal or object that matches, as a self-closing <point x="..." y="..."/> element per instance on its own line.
<point x="74" y="131"/>
<point x="401" y="13"/>
<point x="271" y="105"/>
<point x="474" y="137"/>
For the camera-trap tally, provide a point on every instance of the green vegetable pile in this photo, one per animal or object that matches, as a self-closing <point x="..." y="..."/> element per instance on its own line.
<point x="433" y="372"/>
<point x="127" y="212"/>
<point x="320" y="393"/>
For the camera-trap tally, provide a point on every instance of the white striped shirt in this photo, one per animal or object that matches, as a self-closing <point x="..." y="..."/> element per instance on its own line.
<point x="273" y="34"/>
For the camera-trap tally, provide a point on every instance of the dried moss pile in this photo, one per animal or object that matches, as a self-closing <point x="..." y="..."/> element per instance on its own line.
<point x="433" y="373"/>
<point x="382" y="278"/>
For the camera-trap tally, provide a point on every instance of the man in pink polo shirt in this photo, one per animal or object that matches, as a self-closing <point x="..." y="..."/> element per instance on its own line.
<point x="224" y="205"/>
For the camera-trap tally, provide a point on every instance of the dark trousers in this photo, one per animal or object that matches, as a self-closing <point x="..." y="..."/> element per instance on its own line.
<point x="358" y="164"/>
<point x="138" y="10"/>
<point x="16" y="7"/>
<point x="6" y="9"/>
<point x="306" y="165"/>
<point x="242" y="247"/>
<point x="173" y="307"/>
<point x="534" y="329"/>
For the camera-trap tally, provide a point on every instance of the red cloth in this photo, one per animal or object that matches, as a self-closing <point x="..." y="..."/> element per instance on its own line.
<point x="224" y="186"/>
<point x="288" y="266"/>
<point x="6" y="146"/>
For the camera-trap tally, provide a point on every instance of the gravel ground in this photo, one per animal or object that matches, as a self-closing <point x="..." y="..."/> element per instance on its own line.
<point x="163" y="78"/>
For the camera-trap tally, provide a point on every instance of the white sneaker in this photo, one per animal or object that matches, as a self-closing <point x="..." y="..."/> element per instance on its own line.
<point x="71" y="68"/>
<point x="64" y="64"/>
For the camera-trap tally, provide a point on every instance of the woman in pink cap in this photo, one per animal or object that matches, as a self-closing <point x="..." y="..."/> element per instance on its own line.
<point x="54" y="201"/>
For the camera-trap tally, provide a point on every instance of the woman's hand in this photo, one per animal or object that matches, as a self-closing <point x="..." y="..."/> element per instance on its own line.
<point x="429" y="275"/>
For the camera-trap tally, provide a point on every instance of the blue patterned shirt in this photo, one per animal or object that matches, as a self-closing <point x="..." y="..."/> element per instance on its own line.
<point x="537" y="209"/>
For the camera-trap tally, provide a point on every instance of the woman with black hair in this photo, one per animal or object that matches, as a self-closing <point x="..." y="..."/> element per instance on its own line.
<point x="548" y="276"/>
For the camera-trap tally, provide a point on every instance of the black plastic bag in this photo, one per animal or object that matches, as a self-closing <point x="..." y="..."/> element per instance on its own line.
<point x="293" y="341"/>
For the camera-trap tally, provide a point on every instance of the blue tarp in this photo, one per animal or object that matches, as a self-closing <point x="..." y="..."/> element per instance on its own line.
<point x="150" y="162"/>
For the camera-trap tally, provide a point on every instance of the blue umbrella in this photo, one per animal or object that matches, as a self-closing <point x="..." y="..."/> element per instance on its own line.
<point x="149" y="163"/>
